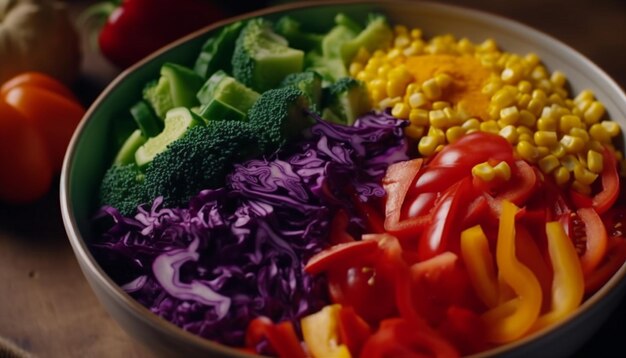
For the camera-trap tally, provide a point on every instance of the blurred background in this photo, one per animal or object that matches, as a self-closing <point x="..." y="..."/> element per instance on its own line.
<point x="46" y="307"/>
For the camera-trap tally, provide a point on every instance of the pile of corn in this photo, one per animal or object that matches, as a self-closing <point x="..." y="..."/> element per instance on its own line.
<point x="525" y="104"/>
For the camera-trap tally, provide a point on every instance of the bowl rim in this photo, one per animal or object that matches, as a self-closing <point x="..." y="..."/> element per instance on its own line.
<point x="89" y="263"/>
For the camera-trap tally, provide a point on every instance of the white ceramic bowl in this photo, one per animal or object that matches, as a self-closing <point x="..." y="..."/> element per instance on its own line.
<point x="86" y="161"/>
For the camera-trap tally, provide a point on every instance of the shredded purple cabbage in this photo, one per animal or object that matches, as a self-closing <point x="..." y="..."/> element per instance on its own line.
<point x="238" y="252"/>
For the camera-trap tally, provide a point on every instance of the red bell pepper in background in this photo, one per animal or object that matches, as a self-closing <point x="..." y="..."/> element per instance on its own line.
<point x="136" y="28"/>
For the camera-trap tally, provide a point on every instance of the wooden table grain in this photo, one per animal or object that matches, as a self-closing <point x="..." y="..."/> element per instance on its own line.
<point x="46" y="305"/>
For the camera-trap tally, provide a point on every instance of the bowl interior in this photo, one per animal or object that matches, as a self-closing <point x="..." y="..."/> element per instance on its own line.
<point x="90" y="151"/>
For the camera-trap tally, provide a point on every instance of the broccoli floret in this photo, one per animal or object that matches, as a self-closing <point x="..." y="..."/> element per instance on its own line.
<point x="290" y="28"/>
<point x="122" y="188"/>
<point x="346" y="99"/>
<point x="262" y="58"/>
<point x="279" y="116"/>
<point x="309" y="82"/>
<point x="199" y="160"/>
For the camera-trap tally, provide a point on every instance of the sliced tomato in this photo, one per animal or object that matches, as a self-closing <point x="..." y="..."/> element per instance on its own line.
<point x="465" y="329"/>
<point x="610" y="183"/>
<point x="38" y="80"/>
<point x="341" y="256"/>
<point x="588" y="233"/>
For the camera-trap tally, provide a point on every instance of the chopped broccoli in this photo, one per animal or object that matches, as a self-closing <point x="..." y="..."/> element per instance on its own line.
<point x="262" y="58"/>
<point x="376" y="34"/>
<point x="199" y="160"/>
<point x="157" y="93"/>
<point x="217" y="51"/>
<point x="122" y="188"/>
<point x="279" y="116"/>
<point x="346" y="99"/>
<point x="309" y="82"/>
<point x="290" y="28"/>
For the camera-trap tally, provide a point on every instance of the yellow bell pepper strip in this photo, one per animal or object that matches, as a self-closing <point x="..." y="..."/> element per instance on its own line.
<point x="321" y="333"/>
<point x="479" y="264"/>
<point x="502" y="324"/>
<point x="38" y="35"/>
<point x="568" y="285"/>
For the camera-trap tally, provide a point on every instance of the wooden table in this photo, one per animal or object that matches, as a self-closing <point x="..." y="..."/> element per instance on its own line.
<point x="46" y="306"/>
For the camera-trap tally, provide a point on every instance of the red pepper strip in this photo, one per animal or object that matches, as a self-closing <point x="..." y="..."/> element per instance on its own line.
<point x="605" y="199"/>
<point x="338" y="229"/>
<point x="614" y="259"/>
<point x="353" y="330"/>
<point x="340" y="256"/>
<point x="529" y="254"/>
<point x="397" y="182"/>
<point x="281" y="337"/>
<point x="397" y="337"/>
<point x="522" y="185"/>
<point x="596" y="239"/>
<point x="445" y="218"/>
<point x="465" y="329"/>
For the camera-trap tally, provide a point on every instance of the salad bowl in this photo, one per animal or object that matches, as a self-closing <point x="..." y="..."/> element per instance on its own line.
<point x="89" y="155"/>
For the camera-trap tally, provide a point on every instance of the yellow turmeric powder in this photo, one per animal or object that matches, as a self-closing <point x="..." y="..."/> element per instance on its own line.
<point x="468" y="75"/>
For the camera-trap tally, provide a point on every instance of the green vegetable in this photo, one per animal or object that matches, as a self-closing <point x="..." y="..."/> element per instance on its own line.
<point x="200" y="159"/>
<point x="262" y="58"/>
<point x="126" y="154"/>
<point x="177" y="122"/>
<point x="346" y="100"/>
<point x="122" y="188"/>
<point x="217" y="51"/>
<point x="223" y="97"/>
<point x="177" y="87"/>
<point x="309" y="82"/>
<point x="149" y="124"/>
<point x="377" y="34"/>
<point x="279" y="116"/>
<point x="290" y="29"/>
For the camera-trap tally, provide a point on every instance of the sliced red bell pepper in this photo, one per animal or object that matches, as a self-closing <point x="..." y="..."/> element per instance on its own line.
<point x="341" y="256"/>
<point x="281" y="337"/>
<point x="465" y="329"/>
<point x="353" y="330"/>
<point x="614" y="259"/>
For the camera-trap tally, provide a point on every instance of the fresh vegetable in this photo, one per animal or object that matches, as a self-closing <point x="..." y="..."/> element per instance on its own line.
<point x="223" y="97"/>
<point x="262" y="58"/>
<point x="49" y="107"/>
<point x="345" y="101"/>
<point x="217" y="51"/>
<point x="136" y="28"/>
<point x="177" y="87"/>
<point x="122" y="188"/>
<point x="37" y="35"/>
<point x="310" y="83"/>
<point x="279" y="116"/>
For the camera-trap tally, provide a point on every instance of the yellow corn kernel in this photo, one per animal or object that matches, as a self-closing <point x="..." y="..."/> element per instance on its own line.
<point x="512" y="75"/>
<point x="569" y="162"/>
<point x="545" y="138"/>
<point x="484" y="171"/>
<point x="599" y="133"/>
<point x="401" y="42"/>
<point x="389" y="102"/>
<point x="503" y="170"/>
<point x="527" y="151"/>
<point x="394" y="54"/>
<point x="524" y="130"/>
<point x="443" y="80"/>
<point x="491" y="87"/>
<point x="535" y="106"/>
<point x="523" y="100"/>
<point x="558" y="150"/>
<point x="525" y="87"/>
<point x="583" y="175"/>
<point x="532" y="59"/>
<point x="454" y="133"/>
<point x="400" y="30"/>
<point x="438" y="119"/>
<point x="548" y="124"/>
<point x="526" y="138"/>
<point x="465" y="46"/>
<point x="567" y="122"/>
<point x="401" y="110"/>
<point x="572" y="144"/>
<point x="416" y="33"/>
<point x="594" y="112"/>
<point x="583" y="106"/>
<point x="395" y="88"/>
<point x="431" y="89"/>
<point x="440" y="105"/>
<point x="558" y="78"/>
<point x="538" y="73"/>
<point x="364" y="76"/>
<point x="586" y="95"/>
<point x="355" y="68"/>
<point x="362" y="55"/>
<point x="580" y="133"/>
<point x="526" y="118"/>
<point x="419" y="117"/>
<point x="509" y="115"/>
<point x="581" y="187"/>
<point x="438" y="134"/>
<point x="427" y="145"/>
<point x="611" y="127"/>
<point x="452" y="115"/>
<point x="413" y="87"/>
<point x="549" y="163"/>
<point x="509" y="133"/>
<point x="594" y="161"/>
<point x="417" y="100"/>
<point x="561" y="175"/>
<point x="595" y="145"/>
<point x="415" y="132"/>
<point x="582" y="159"/>
<point x="490" y="126"/>
<point x="471" y="123"/>
<point x="504" y="97"/>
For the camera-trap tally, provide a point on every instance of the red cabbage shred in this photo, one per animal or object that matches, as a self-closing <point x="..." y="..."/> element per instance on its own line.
<point x="238" y="252"/>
